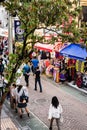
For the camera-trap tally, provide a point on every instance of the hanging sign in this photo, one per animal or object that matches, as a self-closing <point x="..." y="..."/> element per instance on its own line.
<point x="19" y="33"/>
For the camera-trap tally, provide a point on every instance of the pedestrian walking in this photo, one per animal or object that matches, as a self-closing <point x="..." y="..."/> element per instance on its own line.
<point x="37" y="79"/>
<point x="1" y="87"/>
<point x="55" y="112"/>
<point x="22" y="98"/>
<point x="26" y="73"/>
<point x="1" y="47"/>
<point x="1" y="68"/>
<point x="35" y="63"/>
<point x="13" y="97"/>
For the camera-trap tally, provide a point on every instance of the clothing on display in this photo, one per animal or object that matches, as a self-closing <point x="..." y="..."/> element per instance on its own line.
<point x="85" y="80"/>
<point x="79" y="80"/>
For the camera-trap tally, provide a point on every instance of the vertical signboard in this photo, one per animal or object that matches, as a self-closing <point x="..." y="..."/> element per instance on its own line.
<point x="19" y="33"/>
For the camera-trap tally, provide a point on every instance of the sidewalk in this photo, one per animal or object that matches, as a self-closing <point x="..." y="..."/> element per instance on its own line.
<point x="11" y="121"/>
<point x="6" y="122"/>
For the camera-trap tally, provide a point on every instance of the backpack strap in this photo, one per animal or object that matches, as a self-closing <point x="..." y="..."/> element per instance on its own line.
<point x="23" y="93"/>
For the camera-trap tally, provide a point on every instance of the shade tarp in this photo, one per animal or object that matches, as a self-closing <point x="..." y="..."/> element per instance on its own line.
<point x="74" y="51"/>
<point x="44" y="47"/>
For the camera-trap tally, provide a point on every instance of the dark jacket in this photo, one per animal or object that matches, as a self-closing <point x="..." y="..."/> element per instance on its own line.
<point x="1" y="68"/>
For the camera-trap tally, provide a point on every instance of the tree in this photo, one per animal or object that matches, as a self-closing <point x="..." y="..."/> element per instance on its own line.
<point x="37" y="14"/>
<point x="2" y="0"/>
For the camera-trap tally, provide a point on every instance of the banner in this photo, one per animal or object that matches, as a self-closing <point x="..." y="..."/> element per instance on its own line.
<point x="19" y="33"/>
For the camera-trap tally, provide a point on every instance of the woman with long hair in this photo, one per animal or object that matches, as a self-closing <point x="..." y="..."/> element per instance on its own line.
<point x="22" y="104"/>
<point x="55" y="111"/>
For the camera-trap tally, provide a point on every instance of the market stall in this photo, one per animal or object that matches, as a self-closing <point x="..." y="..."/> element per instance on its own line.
<point x="52" y="65"/>
<point x="74" y="51"/>
<point x="76" y="62"/>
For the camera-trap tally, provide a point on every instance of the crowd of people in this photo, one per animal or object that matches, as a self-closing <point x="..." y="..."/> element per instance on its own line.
<point x="3" y="54"/>
<point x="19" y="94"/>
<point x="3" y="63"/>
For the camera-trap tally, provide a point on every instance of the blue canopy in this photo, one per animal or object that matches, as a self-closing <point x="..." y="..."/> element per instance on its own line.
<point x="74" y="51"/>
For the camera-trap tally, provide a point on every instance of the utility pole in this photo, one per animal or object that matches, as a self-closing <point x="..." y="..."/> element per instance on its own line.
<point x="10" y="35"/>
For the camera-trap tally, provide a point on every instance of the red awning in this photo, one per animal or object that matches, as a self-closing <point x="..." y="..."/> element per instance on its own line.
<point x="44" y="47"/>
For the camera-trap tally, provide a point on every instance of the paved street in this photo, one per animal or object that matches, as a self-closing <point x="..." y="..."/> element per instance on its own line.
<point x="74" y="107"/>
<point x="75" y="110"/>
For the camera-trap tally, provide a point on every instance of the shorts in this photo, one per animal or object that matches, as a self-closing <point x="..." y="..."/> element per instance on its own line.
<point x="22" y="105"/>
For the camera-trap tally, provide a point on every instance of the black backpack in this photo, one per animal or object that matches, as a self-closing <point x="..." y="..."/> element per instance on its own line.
<point x="23" y="97"/>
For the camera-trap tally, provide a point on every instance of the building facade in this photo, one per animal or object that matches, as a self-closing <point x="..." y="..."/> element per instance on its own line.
<point x="83" y="3"/>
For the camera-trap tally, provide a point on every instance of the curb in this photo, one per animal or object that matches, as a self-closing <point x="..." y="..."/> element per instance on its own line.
<point x="75" y="86"/>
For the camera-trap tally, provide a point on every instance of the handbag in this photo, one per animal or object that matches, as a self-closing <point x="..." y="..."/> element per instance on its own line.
<point x="24" y="98"/>
<point x="61" y="119"/>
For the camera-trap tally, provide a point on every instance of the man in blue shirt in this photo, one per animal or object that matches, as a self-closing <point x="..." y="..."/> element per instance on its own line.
<point x="26" y="73"/>
<point x="35" y="63"/>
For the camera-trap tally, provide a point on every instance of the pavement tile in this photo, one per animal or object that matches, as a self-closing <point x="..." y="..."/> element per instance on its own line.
<point x="7" y="124"/>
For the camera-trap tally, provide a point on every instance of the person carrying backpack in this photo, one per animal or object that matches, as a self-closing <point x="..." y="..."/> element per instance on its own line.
<point x="26" y="73"/>
<point x="34" y="63"/>
<point x="22" y="99"/>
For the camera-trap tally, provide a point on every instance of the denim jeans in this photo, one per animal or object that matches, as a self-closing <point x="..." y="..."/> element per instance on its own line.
<point x="39" y="82"/>
<point x="26" y="79"/>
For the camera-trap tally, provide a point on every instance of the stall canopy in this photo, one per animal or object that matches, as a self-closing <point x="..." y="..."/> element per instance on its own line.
<point x="3" y="32"/>
<point x="44" y="47"/>
<point x="74" y="51"/>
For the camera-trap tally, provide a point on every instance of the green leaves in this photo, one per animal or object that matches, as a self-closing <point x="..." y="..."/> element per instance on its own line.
<point x="35" y="14"/>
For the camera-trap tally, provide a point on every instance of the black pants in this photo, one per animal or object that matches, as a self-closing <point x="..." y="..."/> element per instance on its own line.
<point x="33" y="70"/>
<point x="1" y="91"/>
<point x="1" y="74"/>
<point x="57" y="122"/>
<point x="39" y="82"/>
<point x="26" y="79"/>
